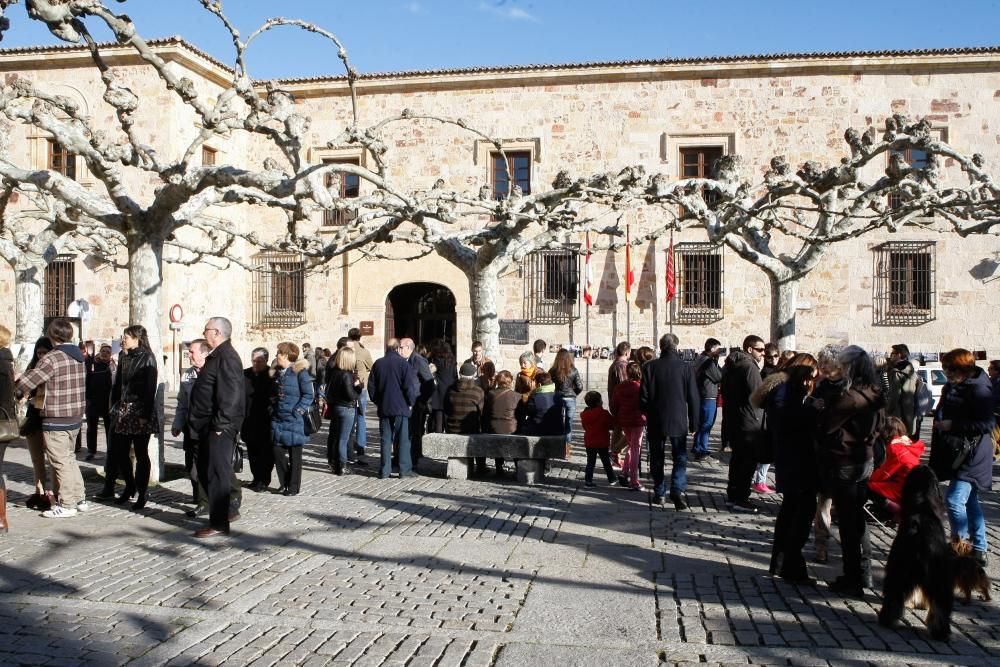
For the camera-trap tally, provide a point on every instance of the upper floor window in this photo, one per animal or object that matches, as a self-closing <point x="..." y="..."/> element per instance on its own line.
<point x="61" y="160"/>
<point x="699" y="272"/>
<point x="60" y="286"/>
<point x="208" y="156"/>
<point x="904" y="283"/>
<point x="516" y="168"/>
<point x="697" y="162"/>
<point x="551" y="286"/>
<point x="916" y="158"/>
<point x="279" y="290"/>
<point x="349" y="187"/>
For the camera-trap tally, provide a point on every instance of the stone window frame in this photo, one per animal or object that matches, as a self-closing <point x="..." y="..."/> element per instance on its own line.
<point x="711" y="279"/>
<point x="551" y="289"/>
<point x="329" y="221"/>
<point x="941" y="134"/>
<point x="278" y="291"/>
<point x="904" y="287"/>
<point x="483" y="152"/>
<point x="60" y="285"/>
<point x="209" y="156"/>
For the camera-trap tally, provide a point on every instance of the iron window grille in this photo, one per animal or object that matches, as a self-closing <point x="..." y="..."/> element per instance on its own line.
<point x="699" y="270"/>
<point x="279" y="290"/>
<point x="904" y="283"/>
<point x="61" y="160"/>
<point x="349" y="186"/>
<point x="60" y="286"/>
<point x="518" y="163"/>
<point x="697" y="162"/>
<point x="551" y="286"/>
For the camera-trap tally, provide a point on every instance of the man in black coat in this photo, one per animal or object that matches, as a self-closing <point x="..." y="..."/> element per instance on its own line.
<point x="215" y="416"/>
<point x="393" y="387"/>
<point x="100" y="378"/>
<point x="707" y="375"/>
<point x="256" y="429"/>
<point x="742" y="420"/>
<point x="668" y="396"/>
<point x="421" y="408"/>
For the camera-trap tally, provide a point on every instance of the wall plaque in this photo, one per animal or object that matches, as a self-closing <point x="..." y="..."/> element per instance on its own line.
<point x="367" y="328"/>
<point x="513" y="332"/>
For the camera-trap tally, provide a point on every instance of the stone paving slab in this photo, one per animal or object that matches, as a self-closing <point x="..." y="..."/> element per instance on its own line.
<point x="435" y="572"/>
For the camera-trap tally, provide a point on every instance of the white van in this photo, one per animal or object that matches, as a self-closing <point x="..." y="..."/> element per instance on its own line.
<point x="934" y="378"/>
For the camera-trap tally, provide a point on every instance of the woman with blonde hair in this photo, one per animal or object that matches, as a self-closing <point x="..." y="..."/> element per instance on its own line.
<point x="343" y="387"/>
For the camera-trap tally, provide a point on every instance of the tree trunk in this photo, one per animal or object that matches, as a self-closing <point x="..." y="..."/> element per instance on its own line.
<point x="784" y="297"/>
<point x="483" y="286"/>
<point x="29" y="284"/>
<point x="145" y="267"/>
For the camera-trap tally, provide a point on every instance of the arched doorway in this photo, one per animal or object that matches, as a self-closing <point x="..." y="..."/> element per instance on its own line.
<point x="421" y="311"/>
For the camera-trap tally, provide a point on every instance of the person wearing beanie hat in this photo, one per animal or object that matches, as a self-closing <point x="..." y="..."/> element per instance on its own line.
<point x="463" y="407"/>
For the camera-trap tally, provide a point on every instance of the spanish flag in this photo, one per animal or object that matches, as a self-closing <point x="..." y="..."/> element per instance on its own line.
<point x="629" y="273"/>
<point x="588" y="286"/>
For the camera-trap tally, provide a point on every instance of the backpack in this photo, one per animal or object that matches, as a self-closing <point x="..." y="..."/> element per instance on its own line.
<point x="923" y="398"/>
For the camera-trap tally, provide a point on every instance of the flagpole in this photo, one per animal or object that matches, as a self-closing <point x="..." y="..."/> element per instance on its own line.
<point x="588" y="298"/>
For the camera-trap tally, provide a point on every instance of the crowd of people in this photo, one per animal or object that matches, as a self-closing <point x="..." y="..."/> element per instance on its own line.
<point x="841" y="429"/>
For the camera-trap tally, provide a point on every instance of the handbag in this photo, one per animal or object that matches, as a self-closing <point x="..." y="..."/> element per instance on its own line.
<point x="313" y="419"/>
<point x="949" y="452"/>
<point x="10" y="429"/>
<point x="238" y="455"/>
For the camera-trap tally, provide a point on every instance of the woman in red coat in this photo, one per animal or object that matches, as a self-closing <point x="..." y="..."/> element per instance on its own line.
<point x="901" y="456"/>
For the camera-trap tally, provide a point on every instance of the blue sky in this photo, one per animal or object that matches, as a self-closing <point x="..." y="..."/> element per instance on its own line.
<point x="392" y="35"/>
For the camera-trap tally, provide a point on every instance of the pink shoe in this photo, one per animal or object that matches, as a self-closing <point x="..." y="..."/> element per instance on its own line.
<point x="762" y="488"/>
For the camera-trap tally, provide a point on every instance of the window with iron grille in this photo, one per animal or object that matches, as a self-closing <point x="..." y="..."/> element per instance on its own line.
<point x="904" y="292"/>
<point x="60" y="286"/>
<point x="350" y="187"/>
<point x="517" y="163"/>
<point x="61" y="160"/>
<point x="698" y="278"/>
<point x="207" y="156"/>
<point x="697" y="162"/>
<point x="279" y="290"/>
<point x="551" y="286"/>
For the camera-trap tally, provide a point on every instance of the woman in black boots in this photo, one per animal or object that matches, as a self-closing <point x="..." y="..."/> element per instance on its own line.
<point x="133" y="418"/>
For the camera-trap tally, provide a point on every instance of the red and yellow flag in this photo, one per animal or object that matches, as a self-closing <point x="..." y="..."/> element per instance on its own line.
<point x="629" y="273"/>
<point x="671" y="288"/>
<point x="588" y="286"/>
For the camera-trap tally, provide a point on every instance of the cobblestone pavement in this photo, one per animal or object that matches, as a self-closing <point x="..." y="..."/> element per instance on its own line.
<point x="433" y="572"/>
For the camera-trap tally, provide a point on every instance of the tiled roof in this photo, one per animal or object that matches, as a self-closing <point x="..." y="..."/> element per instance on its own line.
<point x="176" y="40"/>
<point x="699" y="60"/>
<point x="550" y="67"/>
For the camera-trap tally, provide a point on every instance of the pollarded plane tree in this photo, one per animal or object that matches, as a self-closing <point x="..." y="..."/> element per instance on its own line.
<point x="786" y="224"/>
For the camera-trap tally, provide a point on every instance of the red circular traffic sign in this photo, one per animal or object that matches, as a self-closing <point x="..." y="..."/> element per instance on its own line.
<point x="176" y="313"/>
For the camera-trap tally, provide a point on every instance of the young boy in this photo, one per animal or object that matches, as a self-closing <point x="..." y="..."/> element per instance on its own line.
<point x="597" y="423"/>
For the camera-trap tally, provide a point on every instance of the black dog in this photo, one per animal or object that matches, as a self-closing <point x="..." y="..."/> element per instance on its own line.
<point x="920" y="560"/>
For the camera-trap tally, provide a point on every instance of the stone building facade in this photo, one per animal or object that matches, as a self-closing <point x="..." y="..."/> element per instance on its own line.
<point x="671" y="116"/>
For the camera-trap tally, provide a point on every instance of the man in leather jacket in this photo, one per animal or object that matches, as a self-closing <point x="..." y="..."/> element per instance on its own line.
<point x="215" y="415"/>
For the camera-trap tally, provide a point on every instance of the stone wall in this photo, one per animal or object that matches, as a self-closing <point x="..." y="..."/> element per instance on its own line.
<point x="586" y="121"/>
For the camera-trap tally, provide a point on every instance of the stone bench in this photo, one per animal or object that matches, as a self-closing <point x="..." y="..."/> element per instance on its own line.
<point x="528" y="451"/>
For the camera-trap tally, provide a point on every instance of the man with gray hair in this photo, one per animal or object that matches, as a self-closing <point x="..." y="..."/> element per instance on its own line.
<point x="668" y="396"/>
<point x="215" y="416"/>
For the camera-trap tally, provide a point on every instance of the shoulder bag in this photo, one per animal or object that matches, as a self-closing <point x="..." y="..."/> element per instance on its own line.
<point x="313" y="419"/>
<point x="9" y="426"/>
<point x="949" y="452"/>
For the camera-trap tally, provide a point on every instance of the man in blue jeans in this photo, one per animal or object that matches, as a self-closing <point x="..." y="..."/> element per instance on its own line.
<point x="707" y="375"/>
<point x="362" y="367"/>
<point x="669" y="399"/>
<point x="393" y="387"/>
